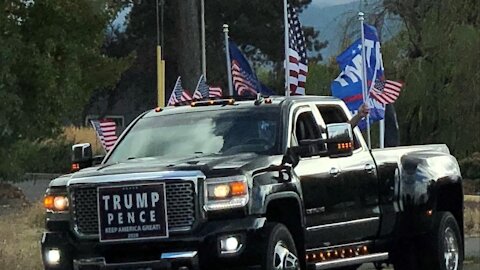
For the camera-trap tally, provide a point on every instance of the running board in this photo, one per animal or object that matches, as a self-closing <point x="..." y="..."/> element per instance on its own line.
<point x="352" y="261"/>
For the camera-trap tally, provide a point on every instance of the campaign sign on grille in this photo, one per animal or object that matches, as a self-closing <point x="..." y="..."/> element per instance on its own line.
<point x="132" y="212"/>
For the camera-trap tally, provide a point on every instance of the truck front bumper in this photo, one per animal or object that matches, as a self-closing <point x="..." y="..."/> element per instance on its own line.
<point x="203" y="248"/>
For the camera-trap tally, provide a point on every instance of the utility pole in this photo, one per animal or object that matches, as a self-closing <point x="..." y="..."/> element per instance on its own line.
<point x="160" y="61"/>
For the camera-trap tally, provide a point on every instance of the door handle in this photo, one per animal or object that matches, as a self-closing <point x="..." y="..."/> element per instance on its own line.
<point x="369" y="168"/>
<point x="334" y="172"/>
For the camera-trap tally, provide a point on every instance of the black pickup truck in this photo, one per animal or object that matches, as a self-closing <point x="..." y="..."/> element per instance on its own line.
<point x="270" y="183"/>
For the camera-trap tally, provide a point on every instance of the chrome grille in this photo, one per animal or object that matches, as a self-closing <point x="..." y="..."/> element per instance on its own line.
<point x="180" y="207"/>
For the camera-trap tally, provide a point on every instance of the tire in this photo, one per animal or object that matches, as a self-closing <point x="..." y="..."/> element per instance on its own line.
<point x="431" y="252"/>
<point x="279" y="251"/>
<point x="443" y="245"/>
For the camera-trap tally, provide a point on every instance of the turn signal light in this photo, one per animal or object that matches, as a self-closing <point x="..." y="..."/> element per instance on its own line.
<point x="344" y="146"/>
<point x="238" y="188"/>
<point x="48" y="202"/>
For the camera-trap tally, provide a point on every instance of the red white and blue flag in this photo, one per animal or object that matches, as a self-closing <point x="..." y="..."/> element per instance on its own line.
<point x="178" y="94"/>
<point x="348" y="85"/>
<point x="386" y="91"/>
<point x="215" y="91"/>
<point x="106" y="130"/>
<point x="297" y="54"/>
<point x="203" y="90"/>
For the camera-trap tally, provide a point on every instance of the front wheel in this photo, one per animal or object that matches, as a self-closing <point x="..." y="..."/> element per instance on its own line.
<point x="279" y="248"/>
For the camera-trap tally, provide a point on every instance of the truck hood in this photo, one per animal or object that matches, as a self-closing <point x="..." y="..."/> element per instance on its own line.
<point x="209" y="165"/>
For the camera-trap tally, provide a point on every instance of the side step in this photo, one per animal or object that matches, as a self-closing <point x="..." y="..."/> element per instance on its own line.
<point x="352" y="261"/>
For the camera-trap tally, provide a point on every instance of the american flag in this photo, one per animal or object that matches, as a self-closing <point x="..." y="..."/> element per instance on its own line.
<point x="215" y="92"/>
<point x="297" y="54"/>
<point x="386" y="91"/>
<point x="106" y="132"/>
<point x="242" y="81"/>
<point x="203" y="90"/>
<point x="178" y="94"/>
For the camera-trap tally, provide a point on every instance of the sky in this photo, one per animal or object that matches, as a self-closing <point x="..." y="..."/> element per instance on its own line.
<point x="325" y="3"/>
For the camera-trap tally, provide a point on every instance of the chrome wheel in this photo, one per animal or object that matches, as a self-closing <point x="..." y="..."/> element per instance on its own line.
<point x="451" y="253"/>
<point x="283" y="259"/>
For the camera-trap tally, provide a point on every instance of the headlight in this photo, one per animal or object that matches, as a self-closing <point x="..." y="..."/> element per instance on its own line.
<point x="226" y="192"/>
<point x="56" y="203"/>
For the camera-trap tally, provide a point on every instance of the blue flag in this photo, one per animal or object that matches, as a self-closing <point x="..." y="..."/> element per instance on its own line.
<point x="244" y="79"/>
<point x="348" y="85"/>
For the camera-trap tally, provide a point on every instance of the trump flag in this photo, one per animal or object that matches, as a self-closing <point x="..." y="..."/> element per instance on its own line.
<point x="348" y="85"/>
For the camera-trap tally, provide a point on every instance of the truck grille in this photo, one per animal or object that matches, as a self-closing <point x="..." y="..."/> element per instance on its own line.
<point x="180" y="207"/>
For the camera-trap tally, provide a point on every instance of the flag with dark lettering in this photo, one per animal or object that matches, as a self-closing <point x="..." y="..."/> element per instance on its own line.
<point x="348" y="85"/>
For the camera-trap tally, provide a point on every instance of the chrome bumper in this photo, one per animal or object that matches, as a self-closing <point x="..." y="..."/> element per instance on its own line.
<point x="187" y="260"/>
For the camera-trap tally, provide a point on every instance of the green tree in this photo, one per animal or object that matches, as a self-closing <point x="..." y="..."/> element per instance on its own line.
<point x="437" y="57"/>
<point x="51" y="61"/>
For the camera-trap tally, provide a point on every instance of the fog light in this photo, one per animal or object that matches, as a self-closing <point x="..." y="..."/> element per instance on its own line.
<point x="230" y="244"/>
<point x="53" y="256"/>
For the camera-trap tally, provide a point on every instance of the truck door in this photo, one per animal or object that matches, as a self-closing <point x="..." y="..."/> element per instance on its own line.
<point x="359" y="178"/>
<point x="320" y="185"/>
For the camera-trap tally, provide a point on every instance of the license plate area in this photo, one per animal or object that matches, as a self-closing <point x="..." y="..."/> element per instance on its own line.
<point x="132" y="212"/>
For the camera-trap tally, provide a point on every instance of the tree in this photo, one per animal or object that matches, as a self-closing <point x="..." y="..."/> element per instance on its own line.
<point x="52" y="60"/>
<point x="437" y="57"/>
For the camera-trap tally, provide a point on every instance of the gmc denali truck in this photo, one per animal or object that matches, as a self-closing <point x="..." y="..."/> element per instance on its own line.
<point x="269" y="183"/>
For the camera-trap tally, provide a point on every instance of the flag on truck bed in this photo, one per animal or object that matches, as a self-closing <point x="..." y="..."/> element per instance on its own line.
<point x="106" y="130"/>
<point x="297" y="62"/>
<point x="178" y="94"/>
<point x="348" y="85"/>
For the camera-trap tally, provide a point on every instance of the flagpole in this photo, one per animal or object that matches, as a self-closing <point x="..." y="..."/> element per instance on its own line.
<point x="287" y="70"/>
<point x="229" y="62"/>
<point x="382" y="133"/>
<point x="361" y="18"/>
<point x="204" y="53"/>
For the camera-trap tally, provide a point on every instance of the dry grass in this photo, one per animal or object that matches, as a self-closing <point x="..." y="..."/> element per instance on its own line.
<point x="20" y="238"/>
<point x="83" y="135"/>
<point x="472" y="215"/>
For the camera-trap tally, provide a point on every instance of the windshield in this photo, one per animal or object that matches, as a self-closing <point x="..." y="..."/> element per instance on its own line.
<point x="222" y="132"/>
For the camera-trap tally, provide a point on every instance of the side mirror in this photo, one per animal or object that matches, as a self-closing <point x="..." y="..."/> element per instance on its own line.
<point x="81" y="156"/>
<point x="339" y="140"/>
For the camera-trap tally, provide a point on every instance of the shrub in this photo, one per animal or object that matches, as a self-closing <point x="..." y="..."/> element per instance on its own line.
<point x="52" y="156"/>
<point x="470" y="167"/>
